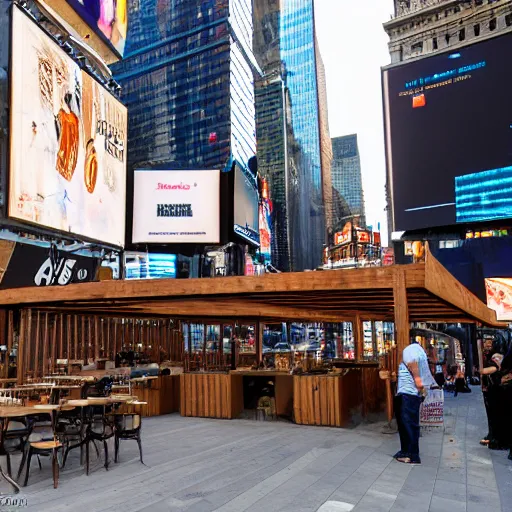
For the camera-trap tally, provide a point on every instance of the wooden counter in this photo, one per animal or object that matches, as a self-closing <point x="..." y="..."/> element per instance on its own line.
<point x="162" y="394"/>
<point x="211" y="395"/>
<point x="338" y="400"/>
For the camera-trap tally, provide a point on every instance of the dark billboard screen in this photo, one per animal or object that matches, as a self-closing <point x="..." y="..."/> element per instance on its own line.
<point x="246" y="207"/>
<point x="448" y="122"/>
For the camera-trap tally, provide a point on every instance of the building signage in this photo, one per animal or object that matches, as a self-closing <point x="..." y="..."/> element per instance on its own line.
<point x="31" y="265"/>
<point x="363" y="237"/>
<point x="68" y="142"/>
<point x="175" y="206"/>
<point x="499" y="297"/>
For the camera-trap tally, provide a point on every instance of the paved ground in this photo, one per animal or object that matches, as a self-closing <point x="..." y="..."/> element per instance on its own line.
<point x="199" y="465"/>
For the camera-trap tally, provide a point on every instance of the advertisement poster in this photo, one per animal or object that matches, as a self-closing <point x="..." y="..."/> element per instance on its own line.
<point x="246" y="207"/>
<point x="31" y="265"/>
<point x="68" y="142"/>
<point x="109" y="18"/>
<point x="265" y="224"/>
<point x="173" y="207"/>
<point x="499" y="297"/>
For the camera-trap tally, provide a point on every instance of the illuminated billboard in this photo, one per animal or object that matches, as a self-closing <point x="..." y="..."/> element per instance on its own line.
<point x="68" y="140"/>
<point x="499" y="297"/>
<point x="448" y="135"/>
<point x="173" y="207"/>
<point x="246" y="206"/>
<point x="108" y="18"/>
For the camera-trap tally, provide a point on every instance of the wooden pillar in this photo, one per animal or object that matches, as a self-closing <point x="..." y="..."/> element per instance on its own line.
<point x="54" y="342"/>
<point x="10" y="336"/>
<point x="82" y="336"/>
<point x="68" y="338"/>
<point x="75" y="332"/>
<point x="46" y="337"/>
<point x="96" y="338"/>
<point x="60" y="354"/>
<point x="402" y="325"/>
<point x="259" y="346"/>
<point x="37" y="342"/>
<point x="358" y="331"/>
<point x="108" y="339"/>
<point x="24" y="344"/>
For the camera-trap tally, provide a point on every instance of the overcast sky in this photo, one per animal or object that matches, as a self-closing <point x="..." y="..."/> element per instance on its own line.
<point x="353" y="45"/>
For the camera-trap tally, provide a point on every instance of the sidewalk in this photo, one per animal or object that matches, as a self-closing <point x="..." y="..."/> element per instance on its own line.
<point x="457" y="473"/>
<point x="201" y="465"/>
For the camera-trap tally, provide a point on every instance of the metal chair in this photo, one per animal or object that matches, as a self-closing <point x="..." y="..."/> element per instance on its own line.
<point x="127" y="426"/>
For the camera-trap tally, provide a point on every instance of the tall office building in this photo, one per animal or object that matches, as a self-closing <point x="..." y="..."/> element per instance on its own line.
<point x="288" y="129"/>
<point x="426" y="27"/>
<point x="346" y="174"/>
<point x="187" y="80"/>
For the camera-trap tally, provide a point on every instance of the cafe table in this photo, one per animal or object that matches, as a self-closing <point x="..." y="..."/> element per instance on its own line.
<point x="13" y="412"/>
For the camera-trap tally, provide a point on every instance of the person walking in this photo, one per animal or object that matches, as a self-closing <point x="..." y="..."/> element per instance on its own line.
<point x="414" y="379"/>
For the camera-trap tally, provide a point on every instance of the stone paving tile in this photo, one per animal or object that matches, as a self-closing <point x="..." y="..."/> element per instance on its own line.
<point x="198" y="465"/>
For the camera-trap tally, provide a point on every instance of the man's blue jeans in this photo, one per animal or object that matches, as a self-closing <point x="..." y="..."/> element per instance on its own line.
<point x="407" y="411"/>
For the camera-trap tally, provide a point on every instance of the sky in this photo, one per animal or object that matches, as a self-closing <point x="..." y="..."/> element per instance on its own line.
<point x="353" y="45"/>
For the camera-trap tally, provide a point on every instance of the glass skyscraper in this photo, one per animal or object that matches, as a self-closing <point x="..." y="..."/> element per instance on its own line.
<point x="346" y="174"/>
<point x="288" y="129"/>
<point x="188" y="82"/>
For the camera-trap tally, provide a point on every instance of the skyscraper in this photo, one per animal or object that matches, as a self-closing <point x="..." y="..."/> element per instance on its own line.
<point x="288" y="129"/>
<point x="346" y="174"/>
<point x="187" y="80"/>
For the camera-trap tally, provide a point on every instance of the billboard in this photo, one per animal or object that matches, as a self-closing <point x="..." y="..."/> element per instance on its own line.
<point x="448" y="130"/>
<point x="108" y="18"/>
<point x="499" y="297"/>
<point x="173" y="207"/>
<point x="246" y="206"/>
<point x="68" y="140"/>
<point x="31" y="265"/>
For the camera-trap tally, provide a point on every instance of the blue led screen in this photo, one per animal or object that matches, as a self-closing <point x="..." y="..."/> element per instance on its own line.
<point x="448" y="125"/>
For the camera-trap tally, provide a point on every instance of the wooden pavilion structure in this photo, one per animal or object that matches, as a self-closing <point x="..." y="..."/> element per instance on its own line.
<point x="424" y="292"/>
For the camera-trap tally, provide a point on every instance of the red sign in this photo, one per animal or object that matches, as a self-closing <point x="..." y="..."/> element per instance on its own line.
<point x="376" y="238"/>
<point x="363" y="237"/>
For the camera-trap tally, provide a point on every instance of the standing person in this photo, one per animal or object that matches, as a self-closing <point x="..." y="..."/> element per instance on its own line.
<point x="414" y="378"/>
<point x="486" y="385"/>
<point x="506" y="401"/>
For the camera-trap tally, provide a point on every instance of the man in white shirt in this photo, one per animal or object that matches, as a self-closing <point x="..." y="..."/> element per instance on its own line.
<point x="413" y="378"/>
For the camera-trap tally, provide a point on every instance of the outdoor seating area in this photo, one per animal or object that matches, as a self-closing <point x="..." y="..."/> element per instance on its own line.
<point x="45" y="421"/>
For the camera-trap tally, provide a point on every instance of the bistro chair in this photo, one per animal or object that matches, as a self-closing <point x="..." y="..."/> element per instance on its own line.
<point x="127" y="426"/>
<point x="47" y="445"/>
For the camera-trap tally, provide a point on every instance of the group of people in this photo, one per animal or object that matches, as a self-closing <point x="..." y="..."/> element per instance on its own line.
<point x="496" y="376"/>
<point x="415" y="379"/>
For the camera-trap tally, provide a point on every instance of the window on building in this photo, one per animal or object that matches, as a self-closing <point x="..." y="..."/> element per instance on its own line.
<point x="447" y="37"/>
<point x="476" y="29"/>
<point x="462" y="34"/>
<point x="508" y="20"/>
<point x="417" y="47"/>
<point x="434" y="43"/>
<point x="492" y="24"/>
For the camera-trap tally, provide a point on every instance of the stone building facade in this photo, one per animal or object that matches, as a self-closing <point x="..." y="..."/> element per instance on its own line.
<point x="424" y="27"/>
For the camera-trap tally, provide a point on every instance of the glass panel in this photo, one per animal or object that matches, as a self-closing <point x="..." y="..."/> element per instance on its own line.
<point x="197" y="337"/>
<point x="247" y="339"/>
<point x="349" y="347"/>
<point x="226" y="337"/>
<point x="385" y="335"/>
<point x="185" y="328"/>
<point x="274" y="335"/>
<point x="368" y="348"/>
<point x="212" y="338"/>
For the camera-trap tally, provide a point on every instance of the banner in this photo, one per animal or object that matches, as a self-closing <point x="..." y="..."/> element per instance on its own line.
<point x="176" y="207"/>
<point x="31" y="265"/>
<point x="499" y="297"/>
<point x="432" y="409"/>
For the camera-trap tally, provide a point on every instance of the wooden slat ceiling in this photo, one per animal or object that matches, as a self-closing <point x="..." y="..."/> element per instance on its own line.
<point x="432" y="295"/>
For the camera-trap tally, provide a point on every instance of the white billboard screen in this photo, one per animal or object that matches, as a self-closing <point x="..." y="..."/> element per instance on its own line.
<point x="68" y="142"/>
<point x="175" y="207"/>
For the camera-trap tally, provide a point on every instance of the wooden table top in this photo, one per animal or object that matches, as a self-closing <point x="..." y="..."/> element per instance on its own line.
<point x="144" y="379"/>
<point x="85" y="378"/>
<point x="18" y="412"/>
<point x="260" y="373"/>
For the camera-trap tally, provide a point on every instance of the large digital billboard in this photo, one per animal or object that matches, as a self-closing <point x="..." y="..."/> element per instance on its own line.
<point x="68" y="142"/>
<point x="108" y="18"/>
<point x="175" y="206"/>
<point x="246" y="206"/>
<point x="448" y="121"/>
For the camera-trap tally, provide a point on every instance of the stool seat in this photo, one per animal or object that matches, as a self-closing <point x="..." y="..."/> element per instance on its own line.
<point x="46" y="445"/>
